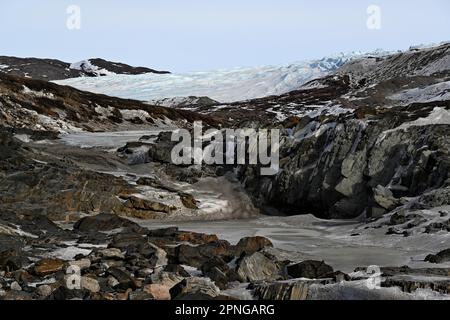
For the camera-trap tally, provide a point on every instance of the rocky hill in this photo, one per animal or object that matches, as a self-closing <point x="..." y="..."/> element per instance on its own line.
<point x="371" y="147"/>
<point x="51" y="69"/>
<point x="43" y="106"/>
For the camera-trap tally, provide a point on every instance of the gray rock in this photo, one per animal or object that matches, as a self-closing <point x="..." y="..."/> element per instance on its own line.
<point x="441" y="257"/>
<point x="310" y="269"/>
<point x="194" y="289"/>
<point x="16" y="286"/>
<point x="44" y="290"/>
<point x="257" y="267"/>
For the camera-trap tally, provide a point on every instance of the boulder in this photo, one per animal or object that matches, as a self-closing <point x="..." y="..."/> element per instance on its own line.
<point x="177" y="269"/>
<point x="195" y="256"/>
<point x="257" y="267"/>
<point x="310" y="269"/>
<point x="286" y="290"/>
<point x="441" y="257"/>
<point x="194" y="289"/>
<point x="48" y="266"/>
<point x="138" y="203"/>
<point x="102" y="222"/>
<point x="44" y="290"/>
<point x="158" y="291"/>
<point x="166" y="279"/>
<point x="140" y="296"/>
<point x="83" y="264"/>
<point x="90" y="284"/>
<point x="220" y="272"/>
<point x="125" y="281"/>
<point x="250" y="245"/>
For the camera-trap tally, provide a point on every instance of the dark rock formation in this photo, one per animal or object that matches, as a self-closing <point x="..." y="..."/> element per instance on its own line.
<point x="51" y="69"/>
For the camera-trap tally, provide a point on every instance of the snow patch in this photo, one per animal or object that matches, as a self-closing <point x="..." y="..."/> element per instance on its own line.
<point x="435" y="92"/>
<point x="87" y="66"/>
<point x="439" y="116"/>
<point x="40" y="94"/>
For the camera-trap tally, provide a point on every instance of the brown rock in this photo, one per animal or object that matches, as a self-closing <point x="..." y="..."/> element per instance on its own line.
<point x="250" y="245"/>
<point x="48" y="266"/>
<point x="158" y="291"/>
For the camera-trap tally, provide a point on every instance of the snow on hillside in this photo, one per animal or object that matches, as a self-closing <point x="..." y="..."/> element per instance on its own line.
<point x="88" y="67"/>
<point x="221" y="85"/>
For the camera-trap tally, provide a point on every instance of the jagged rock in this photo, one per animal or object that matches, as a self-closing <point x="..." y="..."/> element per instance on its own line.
<point x="194" y="289"/>
<point x="127" y="240"/>
<point x="124" y="279"/>
<point x="438" y="226"/>
<point x="102" y="222"/>
<point x="173" y="235"/>
<point x="250" y="245"/>
<point x="385" y="198"/>
<point x="286" y="290"/>
<point x="441" y="257"/>
<point x="257" y="267"/>
<point x="145" y="204"/>
<point x="112" y="282"/>
<point x="435" y="198"/>
<point x="90" y="284"/>
<point x="15" y="295"/>
<point x="12" y="260"/>
<point x="162" y="149"/>
<point x="158" y="291"/>
<point x="16" y="286"/>
<point x="167" y="279"/>
<point x="410" y="283"/>
<point x="140" y="296"/>
<point x="188" y="201"/>
<point x="177" y="269"/>
<point x="45" y="267"/>
<point x="195" y="256"/>
<point x="82" y="263"/>
<point x="44" y="290"/>
<point x="220" y="272"/>
<point x="110" y="253"/>
<point x="310" y="269"/>
<point x="63" y="293"/>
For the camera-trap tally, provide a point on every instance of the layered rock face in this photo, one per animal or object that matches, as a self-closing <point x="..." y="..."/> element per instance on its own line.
<point x="365" y="147"/>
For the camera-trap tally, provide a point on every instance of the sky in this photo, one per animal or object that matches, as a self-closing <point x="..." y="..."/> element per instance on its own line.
<point x="194" y="35"/>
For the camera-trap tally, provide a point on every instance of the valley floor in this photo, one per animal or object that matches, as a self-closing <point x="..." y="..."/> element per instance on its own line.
<point x="344" y="244"/>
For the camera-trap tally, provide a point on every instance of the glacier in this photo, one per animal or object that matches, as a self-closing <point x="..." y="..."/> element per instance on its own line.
<point x="222" y="85"/>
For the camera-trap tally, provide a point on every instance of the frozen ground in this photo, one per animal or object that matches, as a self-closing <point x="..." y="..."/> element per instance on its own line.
<point x="105" y="139"/>
<point x="327" y="240"/>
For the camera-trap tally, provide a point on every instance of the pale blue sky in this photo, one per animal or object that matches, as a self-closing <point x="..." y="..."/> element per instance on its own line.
<point x="184" y="35"/>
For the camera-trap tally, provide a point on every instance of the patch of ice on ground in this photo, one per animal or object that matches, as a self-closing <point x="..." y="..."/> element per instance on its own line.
<point x="69" y="253"/>
<point x="45" y="281"/>
<point x="40" y="94"/>
<point x="328" y="240"/>
<point x="23" y="137"/>
<point x="108" y="140"/>
<point x="15" y="230"/>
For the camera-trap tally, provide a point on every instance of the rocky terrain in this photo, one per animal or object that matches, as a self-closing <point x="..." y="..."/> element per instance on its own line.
<point x="86" y="182"/>
<point x="51" y="69"/>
